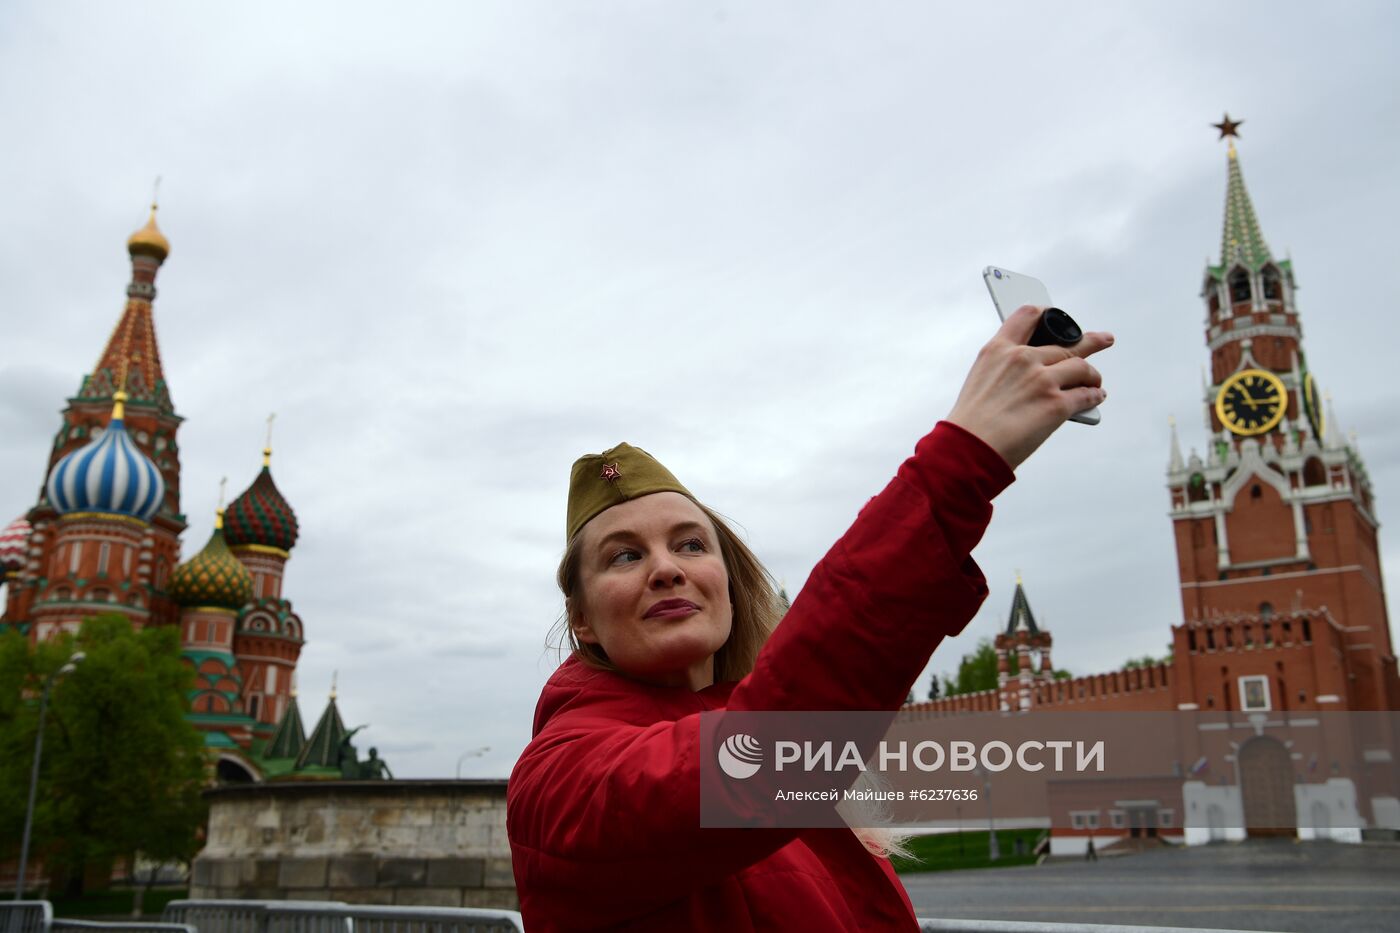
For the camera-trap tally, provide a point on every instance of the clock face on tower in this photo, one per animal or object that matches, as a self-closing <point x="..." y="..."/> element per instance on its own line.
<point x="1251" y="401"/>
<point x="1311" y="407"/>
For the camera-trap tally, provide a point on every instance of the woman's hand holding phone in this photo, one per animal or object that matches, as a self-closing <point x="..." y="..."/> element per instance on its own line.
<point x="1016" y="395"/>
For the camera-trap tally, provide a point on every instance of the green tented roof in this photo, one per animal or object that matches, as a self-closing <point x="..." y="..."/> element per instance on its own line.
<point x="1021" y="616"/>
<point x="1241" y="241"/>
<point x="323" y="748"/>
<point x="290" y="737"/>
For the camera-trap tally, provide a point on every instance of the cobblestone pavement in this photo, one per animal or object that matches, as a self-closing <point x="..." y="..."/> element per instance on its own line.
<point x="1314" y="887"/>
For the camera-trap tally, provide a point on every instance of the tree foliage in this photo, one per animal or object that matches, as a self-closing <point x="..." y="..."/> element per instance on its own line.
<point x="1147" y="660"/>
<point x="978" y="672"/>
<point x="122" y="769"/>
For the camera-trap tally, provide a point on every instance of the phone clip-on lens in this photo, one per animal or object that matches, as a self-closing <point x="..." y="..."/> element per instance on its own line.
<point x="1056" y="327"/>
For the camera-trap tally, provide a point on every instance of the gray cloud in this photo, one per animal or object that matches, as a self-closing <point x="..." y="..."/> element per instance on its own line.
<point x="455" y="247"/>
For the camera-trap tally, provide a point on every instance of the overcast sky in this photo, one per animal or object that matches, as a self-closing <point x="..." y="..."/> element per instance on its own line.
<point x="454" y="246"/>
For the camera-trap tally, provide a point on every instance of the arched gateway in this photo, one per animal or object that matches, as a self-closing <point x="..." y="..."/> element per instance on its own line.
<point x="1266" y="783"/>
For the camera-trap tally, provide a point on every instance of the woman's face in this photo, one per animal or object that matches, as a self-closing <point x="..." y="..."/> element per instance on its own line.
<point x="654" y="590"/>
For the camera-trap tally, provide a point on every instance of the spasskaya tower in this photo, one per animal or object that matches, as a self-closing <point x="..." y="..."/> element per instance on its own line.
<point x="1275" y="526"/>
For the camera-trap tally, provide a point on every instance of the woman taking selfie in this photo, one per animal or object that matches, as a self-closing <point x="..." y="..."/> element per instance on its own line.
<point x="670" y="615"/>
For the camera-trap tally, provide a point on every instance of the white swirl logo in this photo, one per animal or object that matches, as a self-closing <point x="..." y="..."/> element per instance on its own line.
<point x="740" y="756"/>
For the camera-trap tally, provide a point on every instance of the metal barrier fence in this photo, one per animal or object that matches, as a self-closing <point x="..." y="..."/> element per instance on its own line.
<point x="434" y="920"/>
<point x="217" y="916"/>
<point x="1018" y="926"/>
<point x="61" y="925"/>
<point x="25" y="916"/>
<point x="233" y="916"/>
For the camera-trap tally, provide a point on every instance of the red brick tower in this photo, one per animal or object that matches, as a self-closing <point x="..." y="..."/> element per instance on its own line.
<point x="1022" y="636"/>
<point x="125" y="564"/>
<point x="1276" y="532"/>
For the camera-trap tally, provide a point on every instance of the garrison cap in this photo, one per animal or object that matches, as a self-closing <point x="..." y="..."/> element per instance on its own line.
<point x="600" y="481"/>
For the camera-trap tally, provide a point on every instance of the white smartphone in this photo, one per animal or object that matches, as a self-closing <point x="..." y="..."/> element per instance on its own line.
<point x="1009" y="291"/>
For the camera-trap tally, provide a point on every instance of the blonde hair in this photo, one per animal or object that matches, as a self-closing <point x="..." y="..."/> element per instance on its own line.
<point x="756" y="606"/>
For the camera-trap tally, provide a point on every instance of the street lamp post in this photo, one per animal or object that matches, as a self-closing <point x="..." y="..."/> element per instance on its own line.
<point x="993" y="849"/>
<point x="474" y="753"/>
<point x="34" y="772"/>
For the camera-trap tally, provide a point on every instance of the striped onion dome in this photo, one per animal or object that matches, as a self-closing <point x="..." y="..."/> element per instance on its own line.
<point x="13" y="540"/>
<point x="213" y="577"/>
<point x="109" y="474"/>
<point x="260" y="515"/>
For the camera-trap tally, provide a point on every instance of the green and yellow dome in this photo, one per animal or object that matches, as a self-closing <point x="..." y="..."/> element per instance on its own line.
<point x="213" y="577"/>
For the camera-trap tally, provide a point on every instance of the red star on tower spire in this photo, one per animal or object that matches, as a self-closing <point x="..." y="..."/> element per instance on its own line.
<point x="1228" y="127"/>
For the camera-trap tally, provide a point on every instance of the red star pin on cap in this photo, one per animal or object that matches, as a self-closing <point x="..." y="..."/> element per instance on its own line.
<point x="611" y="473"/>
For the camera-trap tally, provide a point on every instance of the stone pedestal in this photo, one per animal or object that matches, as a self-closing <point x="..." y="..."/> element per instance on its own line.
<point x="422" y="843"/>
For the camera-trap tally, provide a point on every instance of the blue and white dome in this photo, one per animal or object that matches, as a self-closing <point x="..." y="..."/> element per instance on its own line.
<point x="110" y="474"/>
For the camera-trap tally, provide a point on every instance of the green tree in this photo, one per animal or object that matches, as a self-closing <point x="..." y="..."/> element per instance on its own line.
<point x="22" y="674"/>
<point x="1147" y="660"/>
<point x="977" y="672"/>
<point x="122" y="769"/>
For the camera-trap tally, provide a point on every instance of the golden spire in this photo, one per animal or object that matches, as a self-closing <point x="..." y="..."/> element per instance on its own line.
<point x="219" y="512"/>
<point x="334" y="675"/>
<point x="267" y="448"/>
<point x="1018" y="576"/>
<point x="149" y="241"/>
<point x="119" y="405"/>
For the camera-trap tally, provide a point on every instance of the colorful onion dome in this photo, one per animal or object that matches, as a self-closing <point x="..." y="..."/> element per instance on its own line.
<point x="109" y="474"/>
<point x="149" y="241"/>
<point x="13" y="541"/>
<point x="260" y="515"/>
<point x="213" y="577"/>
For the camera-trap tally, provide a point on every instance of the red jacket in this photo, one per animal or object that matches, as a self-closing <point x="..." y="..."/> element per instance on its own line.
<point x="603" y="805"/>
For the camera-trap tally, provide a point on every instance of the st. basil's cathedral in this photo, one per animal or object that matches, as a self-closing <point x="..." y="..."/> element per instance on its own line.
<point x="104" y="537"/>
